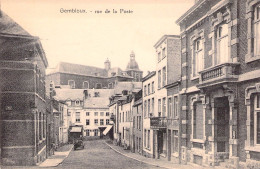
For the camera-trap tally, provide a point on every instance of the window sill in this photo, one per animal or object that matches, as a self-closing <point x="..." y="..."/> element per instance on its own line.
<point x="251" y="58"/>
<point x="253" y="148"/>
<point x="198" y="141"/>
<point x="194" y="78"/>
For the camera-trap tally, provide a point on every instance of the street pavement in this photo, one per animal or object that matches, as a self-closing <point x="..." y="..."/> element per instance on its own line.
<point x="98" y="155"/>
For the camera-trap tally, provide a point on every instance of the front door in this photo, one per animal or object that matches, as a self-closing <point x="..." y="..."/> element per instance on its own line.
<point x="222" y="127"/>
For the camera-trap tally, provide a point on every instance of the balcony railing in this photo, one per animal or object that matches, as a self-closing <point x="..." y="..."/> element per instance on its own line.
<point x="158" y="122"/>
<point x="223" y="72"/>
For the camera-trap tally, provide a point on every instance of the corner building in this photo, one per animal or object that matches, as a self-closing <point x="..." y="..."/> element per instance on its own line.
<point x="220" y="83"/>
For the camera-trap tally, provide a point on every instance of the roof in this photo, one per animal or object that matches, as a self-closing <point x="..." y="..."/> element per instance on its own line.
<point x="68" y="94"/>
<point x="151" y="74"/>
<point x="129" y="86"/>
<point x="64" y="67"/>
<point x="138" y="102"/>
<point x="190" y="11"/>
<point x="163" y="38"/>
<point x="9" y="26"/>
<point x="100" y="101"/>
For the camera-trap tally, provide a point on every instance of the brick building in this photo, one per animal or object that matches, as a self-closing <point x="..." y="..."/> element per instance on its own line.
<point x="220" y="83"/>
<point x="22" y="95"/>
<point x="88" y="77"/>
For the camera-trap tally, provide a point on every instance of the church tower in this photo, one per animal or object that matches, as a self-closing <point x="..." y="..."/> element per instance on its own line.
<point x="133" y="70"/>
<point x="107" y="64"/>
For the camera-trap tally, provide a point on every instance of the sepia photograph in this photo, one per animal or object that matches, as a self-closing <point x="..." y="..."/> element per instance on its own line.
<point x="130" y="84"/>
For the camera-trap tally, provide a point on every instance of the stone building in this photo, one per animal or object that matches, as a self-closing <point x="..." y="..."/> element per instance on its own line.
<point x="77" y="76"/>
<point x="22" y="95"/>
<point x="220" y="83"/>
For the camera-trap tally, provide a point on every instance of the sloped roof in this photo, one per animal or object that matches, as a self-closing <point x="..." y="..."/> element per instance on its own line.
<point x="9" y="26"/>
<point x="78" y="69"/>
<point x="68" y="94"/>
<point x="101" y="101"/>
<point x="130" y="86"/>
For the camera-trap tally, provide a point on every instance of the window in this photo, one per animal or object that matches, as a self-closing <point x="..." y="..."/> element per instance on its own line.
<point x="98" y="86"/>
<point x="40" y="126"/>
<point x="110" y="85"/>
<point x="149" y="89"/>
<point x="107" y="113"/>
<point x="152" y="87"/>
<point x="222" y="44"/>
<point x="145" y="108"/>
<point x="120" y="118"/>
<point x="152" y="106"/>
<point x="159" y="108"/>
<point x="101" y="122"/>
<point x="85" y="85"/>
<point x="96" y="132"/>
<point x="77" y="103"/>
<point x="170" y="107"/>
<point x="163" y="53"/>
<point x="77" y="117"/>
<point x="148" y="139"/>
<point x="101" y="113"/>
<point x="126" y="116"/>
<point x="257" y="31"/>
<point x="175" y="107"/>
<point x="145" y="90"/>
<point x="257" y="119"/>
<point x="87" y="133"/>
<point x="69" y="113"/>
<point x="164" y="107"/>
<point x="149" y="111"/>
<point x="96" y="121"/>
<point x="175" y="141"/>
<point x="164" y="77"/>
<point x="159" y="56"/>
<point x="123" y="116"/>
<point x="96" y="113"/>
<point x="198" y="63"/>
<point x="107" y="121"/>
<point x="159" y="79"/>
<point x="87" y="113"/>
<point x="71" y="83"/>
<point x="87" y="121"/>
<point x="198" y="121"/>
<point x="144" y="137"/>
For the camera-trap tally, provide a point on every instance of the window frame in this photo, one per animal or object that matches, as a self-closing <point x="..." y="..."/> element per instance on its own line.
<point x="84" y="85"/>
<point x="256" y="113"/>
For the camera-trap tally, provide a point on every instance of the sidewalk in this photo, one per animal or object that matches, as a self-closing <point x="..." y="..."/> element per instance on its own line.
<point x="151" y="161"/>
<point x="58" y="156"/>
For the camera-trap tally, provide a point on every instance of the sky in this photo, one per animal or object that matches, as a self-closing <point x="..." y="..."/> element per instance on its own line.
<point x="90" y="38"/>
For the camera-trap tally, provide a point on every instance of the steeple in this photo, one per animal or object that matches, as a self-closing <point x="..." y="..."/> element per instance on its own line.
<point x="107" y="64"/>
<point x="132" y="64"/>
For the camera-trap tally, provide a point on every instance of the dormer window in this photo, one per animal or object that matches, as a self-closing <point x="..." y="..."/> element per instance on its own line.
<point x="77" y="103"/>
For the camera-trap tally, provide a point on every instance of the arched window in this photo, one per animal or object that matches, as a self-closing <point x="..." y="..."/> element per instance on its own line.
<point x="85" y="85"/>
<point x="110" y="85"/>
<point x="98" y="86"/>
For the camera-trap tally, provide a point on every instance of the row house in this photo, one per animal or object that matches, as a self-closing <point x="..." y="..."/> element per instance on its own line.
<point x="159" y="95"/>
<point x="121" y="113"/>
<point x="22" y="95"/>
<point x="219" y="103"/>
<point x="138" y="124"/>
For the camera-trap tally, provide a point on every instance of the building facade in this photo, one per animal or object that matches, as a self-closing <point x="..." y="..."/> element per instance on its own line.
<point x="220" y="83"/>
<point x="22" y="95"/>
<point x="77" y="76"/>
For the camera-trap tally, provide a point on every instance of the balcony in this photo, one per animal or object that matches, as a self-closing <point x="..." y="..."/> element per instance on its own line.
<point x="222" y="73"/>
<point x="158" y="122"/>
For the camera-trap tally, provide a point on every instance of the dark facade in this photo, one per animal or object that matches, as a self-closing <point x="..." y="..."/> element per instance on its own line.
<point x="220" y="83"/>
<point x="22" y="97"/>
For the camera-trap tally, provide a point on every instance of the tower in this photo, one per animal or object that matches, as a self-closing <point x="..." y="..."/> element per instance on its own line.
<point x="107" y="64"/>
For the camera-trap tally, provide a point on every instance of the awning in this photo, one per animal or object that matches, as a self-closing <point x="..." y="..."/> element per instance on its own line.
<point x="107" y="129"/>
<point x="76" y="129"/>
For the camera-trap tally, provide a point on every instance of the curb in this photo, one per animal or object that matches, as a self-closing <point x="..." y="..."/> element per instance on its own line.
<point x="136" y="158"/>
